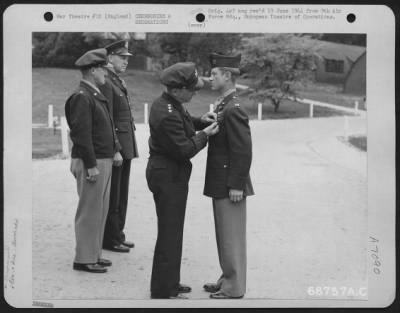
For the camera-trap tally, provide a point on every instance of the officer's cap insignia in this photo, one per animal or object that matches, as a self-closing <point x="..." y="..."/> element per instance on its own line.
<point x="237" y="105"/>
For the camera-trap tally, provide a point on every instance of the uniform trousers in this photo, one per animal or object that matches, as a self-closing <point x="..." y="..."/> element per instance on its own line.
<point x="92" y="209"/>
<point x="114" y="234"/>
<point x="169" y="185"/>
<point x="230" y="230"/>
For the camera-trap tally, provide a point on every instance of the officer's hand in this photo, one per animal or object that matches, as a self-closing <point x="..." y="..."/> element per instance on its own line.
<point x="235" y="195"/>
<point x="117" y="161"/>
<point x="92" y="174"/>
<point x="212" y="129"/>
<point x="209" y="117"/>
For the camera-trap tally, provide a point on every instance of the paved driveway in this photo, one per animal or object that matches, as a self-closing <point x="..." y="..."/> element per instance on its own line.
<point x="306" y="226"/>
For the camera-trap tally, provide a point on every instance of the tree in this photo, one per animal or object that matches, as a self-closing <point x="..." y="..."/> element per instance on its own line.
<point x="68" y="48"/>
<point x="63" y="49"/>
<point x="345" y="38"/>
<point x="274" y="63"/>
<point x="58" y="49"/>
<point x="201" y="45"/>
<point x="348" y="39"/>
<point x="42" y="43"/>
<point x="194" y="47"/>
<point x="101" y="39"/>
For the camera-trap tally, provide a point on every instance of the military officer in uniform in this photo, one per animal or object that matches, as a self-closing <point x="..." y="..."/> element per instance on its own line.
<point x="227" y="179"/>
<point x="173" y="142"/>
<point x="120" y="105"/>
<point x="95" y="146"/>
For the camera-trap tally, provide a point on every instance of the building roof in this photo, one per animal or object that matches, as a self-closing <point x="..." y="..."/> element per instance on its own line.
<point x="338" y="51"/>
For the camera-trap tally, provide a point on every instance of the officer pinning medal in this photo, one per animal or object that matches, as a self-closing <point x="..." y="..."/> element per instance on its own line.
<point x="173" y="142"/>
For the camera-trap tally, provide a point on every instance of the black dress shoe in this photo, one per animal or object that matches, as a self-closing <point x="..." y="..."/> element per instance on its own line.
<point x="91" y="268"/>
<point x="117" y="248"/>
<point x="104" y="262"/>
<point x="221" y="295"/>
<point x="184" y="288"/>
<point x="210" y="287"/>
<point x="177" y="297"/>
<point x="128" y="244"/>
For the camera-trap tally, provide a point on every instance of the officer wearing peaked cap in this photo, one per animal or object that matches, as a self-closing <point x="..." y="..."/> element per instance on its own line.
<point x="120" y="104"/>
<point x="173" y="142"/>
<point x="227" y="179"/>
<point x="92" y="58"/>
<point x="95" y="145"/>
<point x="119" y="47"/>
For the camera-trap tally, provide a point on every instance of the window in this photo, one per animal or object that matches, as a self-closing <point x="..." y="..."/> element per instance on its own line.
<point x="334" y="66"/>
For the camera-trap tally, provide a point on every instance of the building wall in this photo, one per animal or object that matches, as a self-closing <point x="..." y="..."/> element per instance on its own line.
<point x="321" y="75"/>
<point x="139" y="62"/>
<point x="356" y="81"/>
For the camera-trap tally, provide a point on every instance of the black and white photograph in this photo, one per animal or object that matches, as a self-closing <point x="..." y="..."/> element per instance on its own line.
<point x="202" y="168"/>
<point x="292" y="140"/>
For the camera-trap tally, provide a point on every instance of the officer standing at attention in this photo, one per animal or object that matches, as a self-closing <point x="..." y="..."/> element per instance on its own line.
<point x="173" y="142"/>
<point x="94" y="147"/>
<point x="228" y="180"/>
<point x="120" y="106"/>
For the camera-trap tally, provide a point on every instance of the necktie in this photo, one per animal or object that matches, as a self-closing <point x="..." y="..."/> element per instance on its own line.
<point x="123" y="83"/>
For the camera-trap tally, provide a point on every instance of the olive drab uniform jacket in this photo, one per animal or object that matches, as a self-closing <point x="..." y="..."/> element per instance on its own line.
<point x="229" y="151"/>
<point x="120" y="106"/>
<point x="173" y="130"/>
<point x="92" y="129"/>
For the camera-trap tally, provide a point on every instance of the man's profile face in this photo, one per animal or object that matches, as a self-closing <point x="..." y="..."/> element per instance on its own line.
<point x="119" y="62"/>
<point x="218" y="79"/>
<point x="99" y="75"/>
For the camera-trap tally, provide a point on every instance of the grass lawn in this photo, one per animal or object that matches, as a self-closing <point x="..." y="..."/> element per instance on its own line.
<point x="45" y="142"/>
<point x="55" y="85"/>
